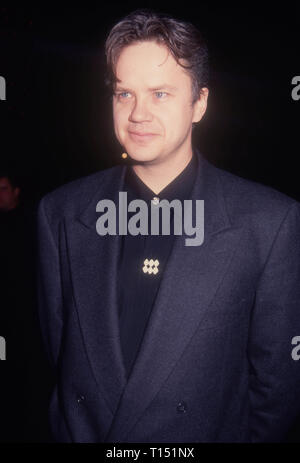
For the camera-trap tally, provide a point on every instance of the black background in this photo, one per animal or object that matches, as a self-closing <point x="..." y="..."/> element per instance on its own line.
<point x="56" y="124"/>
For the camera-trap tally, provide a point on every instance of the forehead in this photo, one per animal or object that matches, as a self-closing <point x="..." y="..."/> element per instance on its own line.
<point x="149" y="63"/>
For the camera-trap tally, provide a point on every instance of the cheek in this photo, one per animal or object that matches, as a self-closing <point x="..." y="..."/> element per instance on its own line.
<point x="168" y="119"/>
<point x="4" y="197"/>
<point x="176" y="120"/>
<point x="117" y="122"/>
<point x="120" y="118"/>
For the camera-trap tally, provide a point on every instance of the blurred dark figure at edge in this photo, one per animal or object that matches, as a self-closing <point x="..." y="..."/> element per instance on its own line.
<point x="25" y="382"/>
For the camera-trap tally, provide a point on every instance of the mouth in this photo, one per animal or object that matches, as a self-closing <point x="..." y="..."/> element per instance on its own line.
<point x="141" y="136"/>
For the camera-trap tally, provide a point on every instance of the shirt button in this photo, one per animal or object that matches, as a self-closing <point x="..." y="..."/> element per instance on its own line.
<point x="155" y="200"/>
<point x="181" y="407"/>
<point x="80" y="399"/>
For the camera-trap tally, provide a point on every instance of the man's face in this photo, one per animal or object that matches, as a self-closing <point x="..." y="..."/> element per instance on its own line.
<point x="152" y="103"/>
<point x="8" y="195"/>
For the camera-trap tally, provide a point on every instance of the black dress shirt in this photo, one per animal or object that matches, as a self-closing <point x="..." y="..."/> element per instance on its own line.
<point x="137" y="289"/>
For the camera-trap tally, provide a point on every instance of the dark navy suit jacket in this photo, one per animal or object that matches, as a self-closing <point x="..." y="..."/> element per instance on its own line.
<point x="215" y="364"/>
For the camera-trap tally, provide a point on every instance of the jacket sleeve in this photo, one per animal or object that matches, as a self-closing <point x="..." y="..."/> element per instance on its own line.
<point x="274" y="387"/>
<point x="49" y="287"/>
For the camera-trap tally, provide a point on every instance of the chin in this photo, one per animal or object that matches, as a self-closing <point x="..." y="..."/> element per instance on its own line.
<point x="140" y="155"/>
<point x="142" y="158"/>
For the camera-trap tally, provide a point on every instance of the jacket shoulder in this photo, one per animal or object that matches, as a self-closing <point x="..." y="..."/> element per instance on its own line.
<point x="247" y="198"/>
<point x="70" y="198"/>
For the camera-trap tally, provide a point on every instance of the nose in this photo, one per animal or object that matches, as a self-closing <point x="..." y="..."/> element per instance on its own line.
<point x="140" y="112"/>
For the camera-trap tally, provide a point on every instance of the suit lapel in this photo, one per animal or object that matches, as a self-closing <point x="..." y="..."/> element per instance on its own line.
<point x="93" y="262"/>
<point x="189" y="283"/>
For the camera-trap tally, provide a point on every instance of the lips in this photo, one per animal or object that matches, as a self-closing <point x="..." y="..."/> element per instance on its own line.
<point x="141" y="136"/>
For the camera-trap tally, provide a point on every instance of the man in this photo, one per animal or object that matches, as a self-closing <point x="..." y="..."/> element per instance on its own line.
<point x="20" y="384"/>
<point x="13" y="257"/>
<point x="152" y="340"/>
<point x="9" y="194"/>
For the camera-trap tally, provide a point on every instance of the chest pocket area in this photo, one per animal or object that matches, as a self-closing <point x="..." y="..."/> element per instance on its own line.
<point x="229" y="306"/>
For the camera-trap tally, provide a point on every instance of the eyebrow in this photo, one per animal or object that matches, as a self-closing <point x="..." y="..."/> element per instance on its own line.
<point x="151" y="89"/>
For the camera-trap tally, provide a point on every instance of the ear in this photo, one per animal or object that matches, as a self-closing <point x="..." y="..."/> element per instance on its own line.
<point x="200" y="105"/>
<point x="17" y="191"/>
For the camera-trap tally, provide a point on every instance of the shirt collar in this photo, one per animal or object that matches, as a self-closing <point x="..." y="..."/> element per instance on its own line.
<point x="179" y="188"/>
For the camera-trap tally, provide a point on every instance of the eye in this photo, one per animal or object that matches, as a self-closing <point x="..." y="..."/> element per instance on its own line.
<point x="122" y="95"/>
<point x="161" y="95"/>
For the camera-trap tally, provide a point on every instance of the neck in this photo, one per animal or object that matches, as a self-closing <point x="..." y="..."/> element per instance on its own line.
<point x="158" y="175"/>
